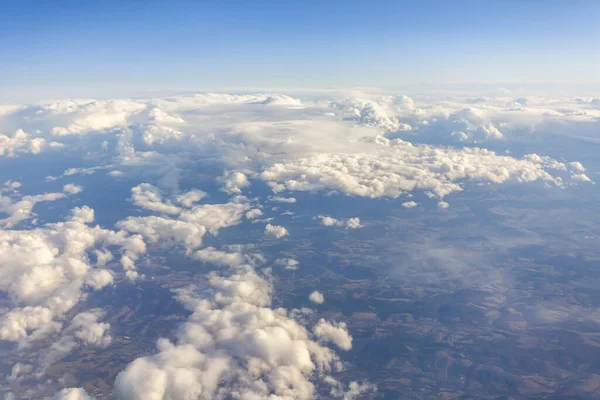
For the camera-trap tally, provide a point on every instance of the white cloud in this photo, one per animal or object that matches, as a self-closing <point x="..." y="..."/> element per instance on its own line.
<point x="72" y="394"/>
<point x="17" y="323"/>
<point x="189" y="198"/>
<point x="328" y="221"/>
<point x="189" y="226"/>
<point x="354" y="390"/>
<point x="100" y="278"/>
<point x="279" y="199"/>
<point x="317" y="297"/>
<point x="275" y="231"/>
<point x="216" y="257"/>
<point x="577" y="166"/>
<point x="46" y="269"/>
<point x="336" y="333"/>
<point x="353" y="223"/>
<point x="254" y="213"/>
<point x="581" y="177"/>
<point x="232" y="345"/>
<point x="409" y="204"/>
<point x="72" y="189"/>
<point x="22" y="143"/>
<point x="165" y="231"/>
<point x="19" y="371"/>
<point x="11" y="186"/>
<point x="85" y="327"/>
<point x="22" y="209"/>
<point x="393" y="168"/>
<point x="88" y="116"/>
<point x="150" y="197"/>
<point x="234" y="182"/>
<point x="350" y="223"/>
<point x="288" y="263"/>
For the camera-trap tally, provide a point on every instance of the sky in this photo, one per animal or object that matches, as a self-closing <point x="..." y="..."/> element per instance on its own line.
<point x="90" y="48"/>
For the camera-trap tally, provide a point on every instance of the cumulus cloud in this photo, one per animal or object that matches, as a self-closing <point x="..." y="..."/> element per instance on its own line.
<point x="72" y="394"/>
<point x="394" y="167"/>
<point x="22" y="143"/>
<point x="149" y="197"/>
<point x="577" y="166"/>
<point x="188" y="225"/>
<point x="10" y="186"/>
<point x="279" y="199"/>
<point x="214" y="256"/>
<point x="254" y="213"/>
<point x="85" y="327"/>
<point x="46" y="269"/>
<point x="409" y="204"/>
<point x="335" y="333"/>
<point x="72" y="188"/>
<point x="350" y="223"/>
<point x="317" y="297"/>
<point x="374" y="113"/>
<point x="85" y="116"/>
<point x="233" y="344"/>
<point x="581" y="177"/>
<point x="275" y="231"/>
<point x="189" y="198"/>
<point x="234" y="182"/>
<point x="354" y="390"/>
<point x="99" y="279"/>
<point x="22" y="209"/>
<point x="288" y="263"/>
<point x="353" y="223"/>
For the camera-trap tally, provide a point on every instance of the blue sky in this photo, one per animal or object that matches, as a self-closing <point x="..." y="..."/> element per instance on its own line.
<point x="152" y="45"/>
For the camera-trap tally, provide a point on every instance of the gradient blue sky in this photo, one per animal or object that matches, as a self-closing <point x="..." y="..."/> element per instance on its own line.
<point x="52" y="46"/>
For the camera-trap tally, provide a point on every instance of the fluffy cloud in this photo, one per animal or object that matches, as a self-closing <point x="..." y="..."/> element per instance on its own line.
<point x="21" y="143"/>
<point x="149" y="197"/>
<point x="10" y="186"/>
<point x="85" y="116"/>
<point x="214" y="256"/>
<point x="22" y="209"/>
<point x="45" y="271"/>
<point x="395" y="167"/>
<point x="189" y="224"/>
<point x="284" y="140"/>
<point x="72" y="394"/>
<point x="409" y="204"/>
<point x="279" y="199"/>
<point x="354" y="390"/>
<point x="275" y="231"/>
<point x="336" y="333"/>
<point x="85" y="327"/>
<point x="100" y="278"/>
<point x="189" y="198"/>
<point x="72" y="189"/>
<point x="254" y="213"/>
<point x="233" y="182"/>
<point x="317" y="297"/>
<point x="233" y="344"/>
<point x="350" y="223"/>
<point x="581" y="178"/>
<point x="288" y="263"/>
